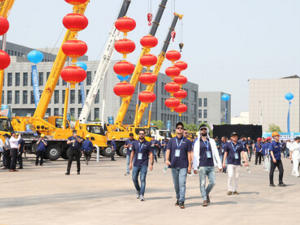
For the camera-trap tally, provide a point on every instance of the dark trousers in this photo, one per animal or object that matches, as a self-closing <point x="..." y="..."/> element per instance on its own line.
<point x="158" y="152"/>
<point x="258" y="157"/>
<point x="20" y="159"/>
<point x="39" y="154"/>
<point x="112" y="155"/>
<point x="279" y="165"/>
<point x="14" y="154"/>
<point x="87" y="155"/>
<point x="74" y="153"/>
<point x="250" y="154"/>
<point x="6" y="159"/>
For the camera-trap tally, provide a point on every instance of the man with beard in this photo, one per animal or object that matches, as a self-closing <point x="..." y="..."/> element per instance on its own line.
<point x="178" y="157"/>
<point x="206" y="156"/>
<point x="141" y="152"/>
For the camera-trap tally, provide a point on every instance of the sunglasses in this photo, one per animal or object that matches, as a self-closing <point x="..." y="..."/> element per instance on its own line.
<point x="141" y="134"/>
<point x="203" y="129"/>
<point x="179" y="128"/>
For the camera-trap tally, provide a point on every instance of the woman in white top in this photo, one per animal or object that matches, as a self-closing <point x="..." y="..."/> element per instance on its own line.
<point x="294" y="155"/>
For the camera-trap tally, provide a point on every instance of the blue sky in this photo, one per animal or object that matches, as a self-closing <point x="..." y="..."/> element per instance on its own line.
<point x="226" y="42"/>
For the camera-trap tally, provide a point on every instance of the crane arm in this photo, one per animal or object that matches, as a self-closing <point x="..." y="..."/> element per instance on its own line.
<point x="157" y="68"/>
<point x="138" y="68"/>
<point x="103" y="66"/>
<point x="56" y="69"/>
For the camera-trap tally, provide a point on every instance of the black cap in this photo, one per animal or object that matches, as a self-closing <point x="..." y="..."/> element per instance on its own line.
<point x="6" y="135"/>
<point x="202" y="125"/>
<point x="152" y="137"/>
<point x="74" y="131"/>
<point x="297" y="138"/>
<point x="131" y="135"/>
<point x="233" y="134"/>
<point x="179" y="123"/>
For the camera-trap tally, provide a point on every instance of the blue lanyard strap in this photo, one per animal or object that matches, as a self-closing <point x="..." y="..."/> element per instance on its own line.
<point x="234" y="148"/>
<point x="206" y="144"/>
<point x="178" y="146"/>
<point x="140" y="147"/>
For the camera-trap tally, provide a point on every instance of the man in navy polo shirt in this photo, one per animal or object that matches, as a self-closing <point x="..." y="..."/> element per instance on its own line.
<point x="74" y="143"/>
<point x="178" y="157"/>
<point x="164" y="144"/>
<point x="258" y="150"/>
<point x="140" y="155"/>
<point x="223" y="142"/>
<point x="128" y="146"/>
<point x="154" y="146"/>
<point x="275" y="152"/>
<point x="206" y="156"/>
<point x="233" y="152"/>
<point x="41" y="149"/>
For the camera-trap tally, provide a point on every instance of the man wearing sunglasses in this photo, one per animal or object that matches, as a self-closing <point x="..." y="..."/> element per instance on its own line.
<point x="206" y="156"/>
<point x="178" y="157"/>
<point x="141" y="152"/>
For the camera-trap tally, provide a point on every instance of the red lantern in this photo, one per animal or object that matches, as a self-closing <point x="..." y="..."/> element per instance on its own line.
<point x="182" y="108"/>
<point x="148" y="78"/>
<point x="73" y="75"/>
<point x="125" y="24"/>
<point x="125" y="46"/>
<point x="124" y="89"/>
<point x="75" y="22"/>
<point x="4" y="25"/>
<point x="180" y="80"/>
<point x="173" y="55"/>
<point x="123" y="68"/>
<point x="76" y="2"/>
<point x="172" y="71"/>
<point x="148" y="60"/>
<point x="181" y="65"/>
<point x="172" y="87"/>
<point x="181" y="94"/>
<point x="172" y="103"/>
<point x="74" y="48"/>
<point x="147" y="97"/>
<point x="4" y="60"/>
<point x="149" y="41"/>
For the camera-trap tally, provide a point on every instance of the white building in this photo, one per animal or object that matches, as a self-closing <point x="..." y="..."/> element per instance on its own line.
<point x="243" y="118"/>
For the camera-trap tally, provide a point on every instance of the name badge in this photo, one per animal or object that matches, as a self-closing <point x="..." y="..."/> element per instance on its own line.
<point x="208" y="154"/>
<point x="177" y="153"/>
<point x="130" y="148"/>
<point x="222" y="150"/>
<point x="140" y="156"/>
<point x="236" y="155"/>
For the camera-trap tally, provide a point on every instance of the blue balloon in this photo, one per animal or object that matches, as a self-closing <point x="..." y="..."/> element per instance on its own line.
<point x="122" y="78"/>
<point x="225" y="97"/>
<point x="35" y="56"/>
<point x="82" y="65"/>
<point x="289" y="96"/>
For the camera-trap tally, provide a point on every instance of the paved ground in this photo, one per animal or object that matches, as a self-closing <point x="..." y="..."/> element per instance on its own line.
<point x="103" y="195"/>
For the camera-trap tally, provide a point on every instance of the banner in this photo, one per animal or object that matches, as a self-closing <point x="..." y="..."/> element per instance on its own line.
<point x="82" y="94"/>
<point x="283" y="135"/>
<point x="6" y="111"/>
<point x="35" y="83"/>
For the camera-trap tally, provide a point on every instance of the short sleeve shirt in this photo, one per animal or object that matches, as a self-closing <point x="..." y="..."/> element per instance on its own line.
<point x="144" y="148"/>
<point x="129" y="142"/>
<point x="184" y="146"/>
<point x="234" y="152"/>
<point x="76" y="145"/>
<point x="258" y="147"/>
<point x="21" y="143"/>
<point x="276" y="149"/>
<point x="41" y="146"/>
<point x="205" y="150"/>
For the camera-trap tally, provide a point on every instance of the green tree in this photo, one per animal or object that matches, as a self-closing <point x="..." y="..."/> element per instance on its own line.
<point x="191" y="127"/>
<point x="273" y="127"/>
<point x="159" y="124"/>
<point x="73" y="118"/>
<point x="97" y="120"/>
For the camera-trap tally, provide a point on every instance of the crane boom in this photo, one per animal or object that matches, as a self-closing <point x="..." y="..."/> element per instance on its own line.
<point x="138" y="68"/>
<point x="157" y="68"/>
<point x="56" y="69"/>
<point x="103" y="66"/>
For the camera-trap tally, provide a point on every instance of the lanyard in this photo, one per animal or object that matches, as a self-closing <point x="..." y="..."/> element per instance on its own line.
<point x="234" y="148"/>
<point x="178" y="146"/>
<point x="206" y="144"/>
<point x="140" y="147"/>
<point x="223" y="145"/>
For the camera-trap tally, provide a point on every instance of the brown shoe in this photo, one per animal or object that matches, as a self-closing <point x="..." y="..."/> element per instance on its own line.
<point x="229" y="193"/>
<point x="14" y="171"/>
<point x="208" y="199"/>
<point x="235" y="193"/>
<point x="181" y="205"/>
<point x="204" y="203"/>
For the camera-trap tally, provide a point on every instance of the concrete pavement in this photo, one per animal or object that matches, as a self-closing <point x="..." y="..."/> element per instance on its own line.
<point x="103" y="195"/>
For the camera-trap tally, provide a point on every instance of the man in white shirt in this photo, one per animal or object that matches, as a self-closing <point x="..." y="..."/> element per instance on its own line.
<point x="294" y="155"/>
<point x="14" y="145"/>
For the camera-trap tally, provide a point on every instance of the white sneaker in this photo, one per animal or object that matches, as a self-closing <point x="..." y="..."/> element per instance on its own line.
<point x="137" y="195"/>
<point x="142" y="198"/>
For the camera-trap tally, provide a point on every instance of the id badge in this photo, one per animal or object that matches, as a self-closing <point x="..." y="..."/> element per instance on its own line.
<point x="129" y="148"/>
<point x="236" y="155"/>
<point x="208" y="154"/>
<point x="140" y="156"/>
<point x="222" y="150"/>
<point x="177" y="153"/>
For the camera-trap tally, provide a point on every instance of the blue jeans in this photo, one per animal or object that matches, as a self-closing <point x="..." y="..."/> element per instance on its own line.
<point x="135" y="173"/>
<point x="127" y="163"/>
<point x="179" y="180"/>
<point x="208" y="171"/>
<point x="164" y="153"/>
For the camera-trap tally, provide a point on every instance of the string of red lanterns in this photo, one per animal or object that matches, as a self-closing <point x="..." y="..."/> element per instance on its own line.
<point x="124" y="46"/>
<point x="74" y="48"/>
<point x="4" y="57"/>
